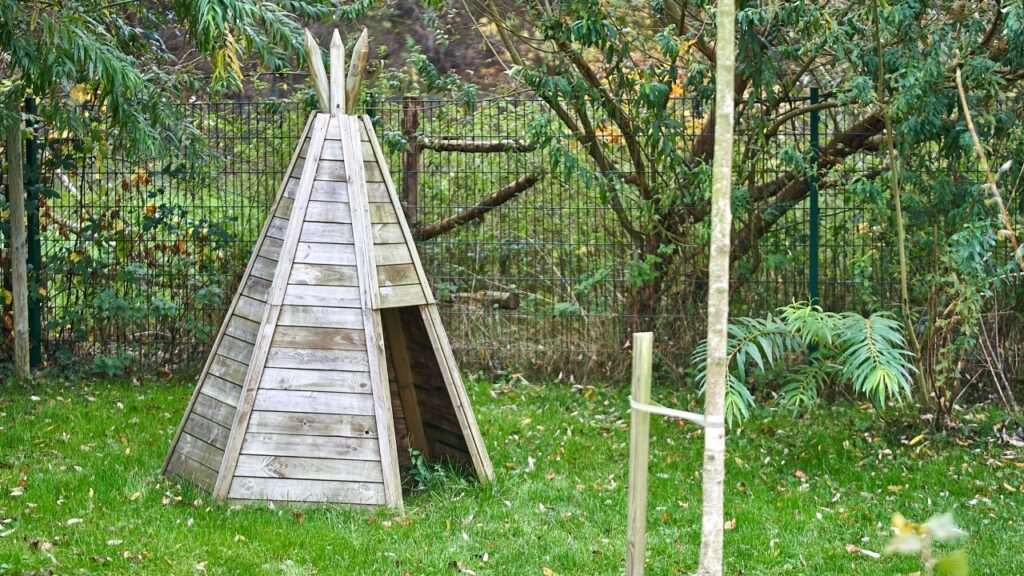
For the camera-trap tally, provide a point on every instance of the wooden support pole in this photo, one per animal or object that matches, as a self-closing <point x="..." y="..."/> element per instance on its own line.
<point x="639" y="453"/>
<point x="337" y="75"/>
<point x="356" y="69"/>
<point x="406" y="384"/>
<point x="411" y="159"/>
<point x="317" y="73"/>
<point x="19" y="245"/>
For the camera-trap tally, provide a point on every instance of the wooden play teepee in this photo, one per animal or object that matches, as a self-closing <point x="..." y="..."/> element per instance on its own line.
<point x="332" y="361"/>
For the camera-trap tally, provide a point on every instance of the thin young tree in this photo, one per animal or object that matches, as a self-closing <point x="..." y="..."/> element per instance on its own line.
<point x="712" y="523"/>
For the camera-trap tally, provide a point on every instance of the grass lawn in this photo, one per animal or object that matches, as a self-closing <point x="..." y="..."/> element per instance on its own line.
<point x="80" y="493"/>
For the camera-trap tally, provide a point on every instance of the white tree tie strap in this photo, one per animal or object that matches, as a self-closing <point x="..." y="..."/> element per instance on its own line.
<point x="698" y="419"/>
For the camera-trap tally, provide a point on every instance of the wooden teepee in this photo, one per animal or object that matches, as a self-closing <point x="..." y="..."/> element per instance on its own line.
<point x="332" y="361"/>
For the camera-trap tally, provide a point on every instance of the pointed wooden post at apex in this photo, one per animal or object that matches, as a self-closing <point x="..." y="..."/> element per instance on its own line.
<point x="337" y="75"/>
<point x="317" y="72"/>
<point x="360" y="56"/>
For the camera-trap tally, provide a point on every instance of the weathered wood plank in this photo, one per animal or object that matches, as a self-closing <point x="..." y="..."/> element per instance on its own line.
<point x="331" y="170"/>
<point x="383" y="213"/>
<point x="309" y="468"/>
<point x="271" y="249"/>
<point x="398" y="275"/>
<point x="284" y="208"/>
<point x="250" y="309"/>
<point x="231" y="370"/>
<point x="313" y="424"/>
<point x="292" y="184"/>
<point x="304" y="295"/>
<point x="220" y="389"/>
<point x="264" y="268"/>
<point x="406" y="385"/>
<point x="337" y="78"/>
<point x="372" y="169"/>
<point x="207" y="430"/>
<point x="316" y="380"/>
<point x="328" y="191"/>
<point x="326" y="233"/>
<point x="387" y="234"/>
<point x="213" y="409"/>
<point x="316" y="72"/>
<point x="347" y="360"/>
<point x="319" y="338"/>
<point x="337" y="212"/>
<point x="277" y="228"/>
<point x="377" y="192"/>
<point x="332" y="151"/>
<point x="318" y="402"/>
<point x="311" y="446"/>
<point x="321" y="317"/>
<point x="323" y="275"/>
<point x="256" y="288"/>
<point x="315" y="253"/>
<point x="191" y="470"/>
<point x="400" y="296"/>
<point x="287" y="490"/>
<point x="235" y="349"/>
<point x="194" y="448"/>
<point x="391" y="254"/>
<point x="242" y="329"/>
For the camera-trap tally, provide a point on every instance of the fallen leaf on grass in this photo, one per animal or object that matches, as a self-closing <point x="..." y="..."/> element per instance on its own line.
<point x="916" y="439"/>
<point x="547" y="571"/>
<point x="458" y="565"/>
<point x="801" y="475"/>
<point x="854" y="549"/>
<point x="299" y="516"/>
<point x="730" y="524"/>
<point x="135" y="496"/>
<point x="74" y="521"/>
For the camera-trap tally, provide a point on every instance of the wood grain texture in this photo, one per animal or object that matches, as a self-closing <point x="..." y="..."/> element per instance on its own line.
<point x="311" y="446"/>
<point x="213" y="409"/>
<point x="317" y="73"/>
<point x="327" y="191"/>
<point x="317" y="253"/>
<point x="323" y="275"/>
<point x="191" y="470"/>
<point x="316" y="402"/>
<point x="314" y="380"/>
<point x="338" y="212"/>
<point x="326" y="233"/>
<point x="222" y="390"/>
<point x="207" y="430"/>
<point x="344" y="360"/>
<point x="287" y="490"/>
<point x="401" y="296"/>
<point x="313" y="424"/>
<point x="337" y="80"/>
<point x="309" y="469"/>
<point x="303" y="295"/>
<point x="321" y="317"/>
<point x="319" y="338"/>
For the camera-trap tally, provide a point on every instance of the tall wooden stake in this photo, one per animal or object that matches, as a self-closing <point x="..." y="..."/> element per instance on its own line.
<point x="19" y="246"/>
<point x="639" y="453"/>
<point x="712" y="518"/>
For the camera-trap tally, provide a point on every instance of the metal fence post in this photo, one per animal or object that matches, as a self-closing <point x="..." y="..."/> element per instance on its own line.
<point x="815" y="210"/>
<point x="31" y="179"/>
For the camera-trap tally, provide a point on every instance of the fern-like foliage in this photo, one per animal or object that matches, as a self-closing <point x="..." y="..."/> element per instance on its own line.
<point x="869" y="354"/>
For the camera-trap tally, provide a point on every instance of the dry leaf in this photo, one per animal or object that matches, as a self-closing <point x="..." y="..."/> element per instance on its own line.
<point x="135" y="496"/>
<point x="730" y="524"/>
<point x="547" y="571"/>
<point x="73" y="521"/>
<point x="801" y="475"/>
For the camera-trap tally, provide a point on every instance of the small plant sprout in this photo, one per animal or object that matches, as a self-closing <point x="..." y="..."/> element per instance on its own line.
<point x="917" y="539"/>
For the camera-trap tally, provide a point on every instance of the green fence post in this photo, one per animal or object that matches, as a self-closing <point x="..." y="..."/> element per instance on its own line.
<point x="815" y="211"/>
<point x="31" y="178"/>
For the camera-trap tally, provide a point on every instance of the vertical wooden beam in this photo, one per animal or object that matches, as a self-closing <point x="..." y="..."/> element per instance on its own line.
<point x="337" y="75"/>
<point x="411" y="158"/>
<point x="19" y="246"/>
<point x="366" y="267"/>
<point x="317" y="73"/>
<point x="639" y="453"/>
<point x="397" y="345"/>
<point x="360" y="56"/>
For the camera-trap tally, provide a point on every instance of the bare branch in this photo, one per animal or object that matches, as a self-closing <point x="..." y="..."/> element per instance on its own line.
<point x="522" y="184"/>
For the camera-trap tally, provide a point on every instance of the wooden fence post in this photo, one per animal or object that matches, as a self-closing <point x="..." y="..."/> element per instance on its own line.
<point x="639" y="452"/>
<point x="411" y="158"/>
<point x="19" y="247"/>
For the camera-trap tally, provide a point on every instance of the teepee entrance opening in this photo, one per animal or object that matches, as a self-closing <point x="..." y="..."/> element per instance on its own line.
<point x="332" y="361"/>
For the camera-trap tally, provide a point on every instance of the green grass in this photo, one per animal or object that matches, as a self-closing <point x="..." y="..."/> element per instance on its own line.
<point x="93" y="452"/>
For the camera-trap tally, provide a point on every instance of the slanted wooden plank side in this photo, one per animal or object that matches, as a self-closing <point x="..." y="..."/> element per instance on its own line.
<point x="274" y="298"/>
<point x="232" y="322"/>
<point x="399" y="354"/>
<point x="392" y="196"/>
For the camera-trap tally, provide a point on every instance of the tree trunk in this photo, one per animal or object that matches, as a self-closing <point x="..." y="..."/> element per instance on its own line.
<point x="19" y="247"/>
<point x="712" y="519"/>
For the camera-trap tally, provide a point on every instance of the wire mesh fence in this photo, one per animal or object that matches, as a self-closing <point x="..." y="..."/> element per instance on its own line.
<point x="140" y="258"/>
